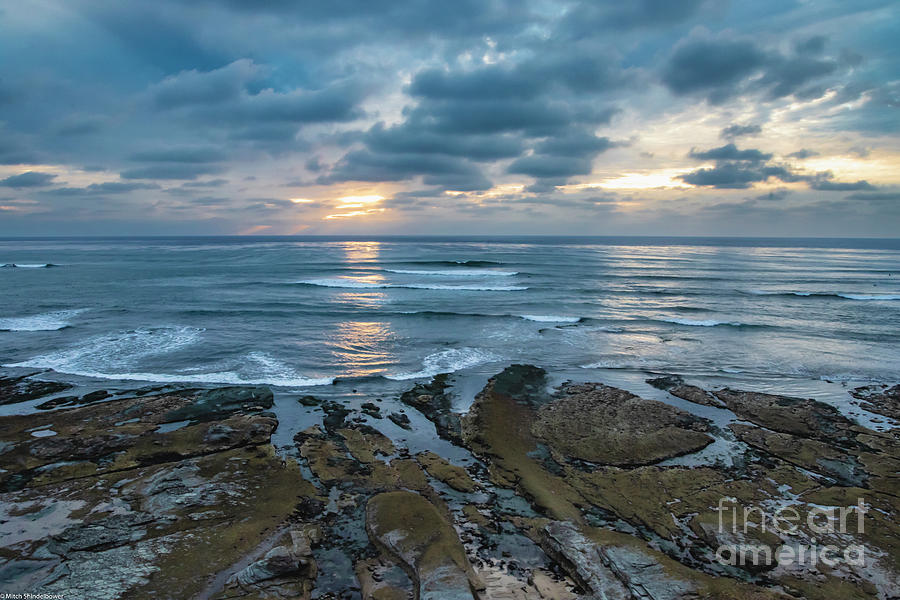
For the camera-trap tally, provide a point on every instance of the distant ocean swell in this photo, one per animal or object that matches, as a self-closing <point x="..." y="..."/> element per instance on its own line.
<point x="845" y="296"/>
<point x="352" y="284"/>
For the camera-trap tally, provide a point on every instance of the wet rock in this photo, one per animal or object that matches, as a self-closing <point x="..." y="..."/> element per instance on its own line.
<point x="410" y="529"/>
<point x="806" y="453"/>
<point x="433" y="401"/>
<point x="454" y="476"/>
<point x="308" y="401"/>
<point x="79" y="448"/>
<point x="383" y="580"/>
<point x="498" y="428"/>
<point x="335" y="416"/>
<point x="66" y="401"/>
<point x="526" y="383"/>
<point x="210" y="405"/>
<point x="111" y="532"/>
<point x="675" y="385"/>
<point x="879" y="399"/>
<point x="609" y="426"/>
<point x="400" y="419"/>
<point x="583" y="560"/>
<point x="124" y="433"/>
<point x="294" y="560"/>
<point x="22" y="389"/>
<point x="364" y="443"/>
<point x="797" y="416"/>
<point x="373" y="410"/>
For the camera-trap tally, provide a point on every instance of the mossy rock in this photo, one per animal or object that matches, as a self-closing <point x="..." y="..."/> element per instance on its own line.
<point x="610" y="426"/>
<point x="410" y="529"/>
<point x="454" y="476"/>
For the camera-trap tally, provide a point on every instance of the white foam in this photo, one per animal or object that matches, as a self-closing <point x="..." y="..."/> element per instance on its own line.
<point x="827" y="294"/>
<point x="216" y="377"/>
<point x="43" y="433"/>
<point x="606" y="364"/>
<point x="473" y="288"/>
<point x="353" y="284"/>
<point x="109" y="357"/>
<point x="116" y="351"/>
<point x="43" y="322"/>
<point x="455" y="273"/>
<point x="870" y="296"/>
<point x="344" y="283"/>
<point x="448" y="361"/>
<point x="550" y="318"/>
<point x="29" y="266"/>
<point x="702" y="322"/>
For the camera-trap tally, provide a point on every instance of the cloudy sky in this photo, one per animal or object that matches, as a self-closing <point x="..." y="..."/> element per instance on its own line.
<point x="771" y="117"/>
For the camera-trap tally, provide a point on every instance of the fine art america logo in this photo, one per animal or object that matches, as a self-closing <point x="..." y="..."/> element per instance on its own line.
<point x="824" y="521"/>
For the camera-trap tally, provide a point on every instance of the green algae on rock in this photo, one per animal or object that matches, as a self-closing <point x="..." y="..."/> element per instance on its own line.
<point x="608" y="426"/>
<point x="409" y="528"/>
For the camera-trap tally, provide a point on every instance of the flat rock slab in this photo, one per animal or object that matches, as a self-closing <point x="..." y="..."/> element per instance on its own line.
<point x="22" y="389"/>
<point x="609" y="426"/>
<point x="803" y="417"/>
<point x="676" y="386"/>
<point x="121" y="434"/>
<point x="411" y="530"/>
<point x="880" y="399"/>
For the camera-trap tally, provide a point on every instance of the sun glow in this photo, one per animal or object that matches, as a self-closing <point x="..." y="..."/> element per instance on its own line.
<point x="357" y="206"/>
<point x="497" y="191"/>
<point x="347" y="201"/>
<point x="664" y="178"/>
<point x="354" y="213"/>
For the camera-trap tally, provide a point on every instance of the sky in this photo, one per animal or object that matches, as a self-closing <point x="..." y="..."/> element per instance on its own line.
<point x="476" y="117"/>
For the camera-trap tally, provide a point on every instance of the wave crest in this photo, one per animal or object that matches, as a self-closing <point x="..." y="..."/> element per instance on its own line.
<point x="448" y="361"/>
<point x="51" y="321"/>
<point x="351" y="284"/>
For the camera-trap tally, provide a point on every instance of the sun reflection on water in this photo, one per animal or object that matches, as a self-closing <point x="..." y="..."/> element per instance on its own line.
<point x="363" y="348"/>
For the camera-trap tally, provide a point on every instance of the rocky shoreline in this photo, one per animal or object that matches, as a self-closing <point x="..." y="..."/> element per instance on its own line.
<point x="573" y="491"/>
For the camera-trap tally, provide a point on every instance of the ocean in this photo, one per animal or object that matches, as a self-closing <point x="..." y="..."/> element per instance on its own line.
<point x="370" y="316"/>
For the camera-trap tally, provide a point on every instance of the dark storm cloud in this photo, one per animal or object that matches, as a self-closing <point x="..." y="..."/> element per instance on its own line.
<point x="574" y="144"/>
<point x="197" y="154"/>
<point x="803" y="153"/>
<point x="534" y="118"/>
<point x="486" y="83"/>
<point x="363" y="165"/>
<point x="171" y="171"/>
<point x="891" y="197"/>
<point x="13" y="150"/>
<point x="787" y="76"/>
<point x="450" y="96"/>
<point x="721" y="68"/>
<point x="733" y="131"/>
<point x="731" y="152"/>
<point x="209" y="183"/>
<point x="585" y="19"/>
<point x="411" y="139"/>
<point x="550" y="166"/>
<point x="711" y="66"/>
<point x="573" y="70"/>
<point x="28" y="179"/>
<point x="735" y="175"/>
<point x="825" y="184"/>
<point x="774" y="195"/>
<point x="204" y="87"/>
<point x="110" y="187"/>
<point x="811" y="45"/>
<point x="492" y="112"/>
<point x="739" y="169"/>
